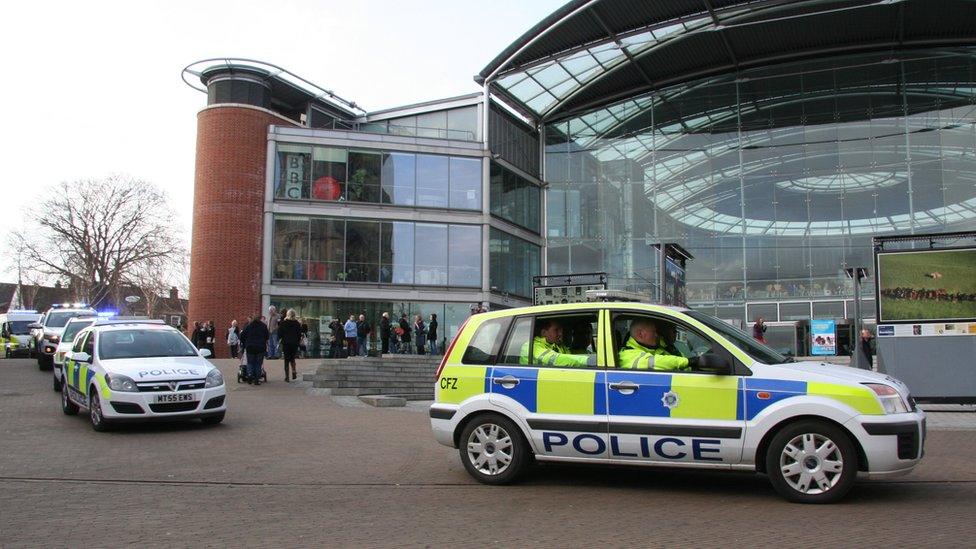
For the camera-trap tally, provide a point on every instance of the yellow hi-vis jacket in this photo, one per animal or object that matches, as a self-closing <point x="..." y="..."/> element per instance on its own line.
<point x="552" y="354"/>
<point x="638" y="357"/>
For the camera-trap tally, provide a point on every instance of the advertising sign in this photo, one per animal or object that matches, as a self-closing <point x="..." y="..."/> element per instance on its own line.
<point x="674" y="283"/>
<point x="928" y="285"/>
<point x="823" y="337"/>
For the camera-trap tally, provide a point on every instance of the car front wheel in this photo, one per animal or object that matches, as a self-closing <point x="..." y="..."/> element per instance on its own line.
<point x="98" y="421"/>
<point x="493" y="449"/>
<point x="812" y="462"/>
<point x="69" y="408"/>
<point x="213" y="420"/>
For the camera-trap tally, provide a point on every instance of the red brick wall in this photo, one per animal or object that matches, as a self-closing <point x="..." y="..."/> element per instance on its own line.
<point x="228" y="217"/>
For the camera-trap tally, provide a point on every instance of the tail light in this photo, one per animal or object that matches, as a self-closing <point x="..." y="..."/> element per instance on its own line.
<point x="450" y="348"/>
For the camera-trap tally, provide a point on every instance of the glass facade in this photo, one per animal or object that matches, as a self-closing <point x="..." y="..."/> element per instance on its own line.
<point x="775" y="178"/>
<point x="460" y="124"/>
<point x="318" y="313"/>
<point x="514" y="198"/>
<point x="327" y="249"/>
<point x="512" y="264"/>
<point x="306" y="172"/>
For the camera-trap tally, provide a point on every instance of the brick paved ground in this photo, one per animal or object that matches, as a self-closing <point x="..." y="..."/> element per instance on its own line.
<point x="292" y="469"/>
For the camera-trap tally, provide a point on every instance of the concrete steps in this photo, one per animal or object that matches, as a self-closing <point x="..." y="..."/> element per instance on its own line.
<point x="390" y="380"/>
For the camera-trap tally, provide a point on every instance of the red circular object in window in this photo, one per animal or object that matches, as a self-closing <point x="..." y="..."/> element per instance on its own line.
<point x="326" y="188"/>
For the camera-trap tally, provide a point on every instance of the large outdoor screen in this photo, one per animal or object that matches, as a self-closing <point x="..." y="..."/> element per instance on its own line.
<point x="928" y="285"/>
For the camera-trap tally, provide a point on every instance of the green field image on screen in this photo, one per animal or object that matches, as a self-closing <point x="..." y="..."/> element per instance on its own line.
<point x="927" y="285"/>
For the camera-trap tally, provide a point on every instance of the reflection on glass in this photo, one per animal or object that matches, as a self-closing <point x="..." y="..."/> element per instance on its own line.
<point x="431" y="253"/>
<point x="396" y="253"/>
<point x="512" y="264"/>
<point x="362" y="252"/>
<point x="516" y="199"/>
<point x="465" y="254"/>
<point x="433" y="175"/>
<point x="328" y="174"/>
<point x="465" y="183"/>
<point x="399" y="178"/>
<point x="364" y="177"/>
<point x="290" y="251"/>
<point x="327" y="250"/>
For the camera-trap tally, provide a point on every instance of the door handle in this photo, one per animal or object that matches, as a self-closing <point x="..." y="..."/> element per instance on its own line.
<point x="624" y="386"/>
<point x="507" y="382"/>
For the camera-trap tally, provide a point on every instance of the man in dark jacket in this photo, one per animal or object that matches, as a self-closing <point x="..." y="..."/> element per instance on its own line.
<point x="338" y="336"/>
<point x="290" y="337"/>
<point x="432" y="334"/>
<point x="255" y="338"/>
<point x="363" y="330"/>
<point x="865" y="350"/>
<point x="405" y="334"/>
<point x="385" y="332"/>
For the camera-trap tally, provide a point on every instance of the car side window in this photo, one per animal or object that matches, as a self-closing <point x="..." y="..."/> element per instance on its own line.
<point x="521" y="333"/>
<point x="89" y="345"/>
<point x="486" y="341"/>
<point x="673" y="338"/>
<point x="562" y="341"/>
<point x="79" y="343"/>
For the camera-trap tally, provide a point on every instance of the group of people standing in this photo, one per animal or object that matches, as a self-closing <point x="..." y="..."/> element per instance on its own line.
<point x="396" y="337"/>
<point x="279" y="335"/>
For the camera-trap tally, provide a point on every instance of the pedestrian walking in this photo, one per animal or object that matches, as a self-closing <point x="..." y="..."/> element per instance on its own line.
<point x="233" y="338"/>
<point x="240" y="344"/>
<point x="197" y="337"/>
<point x="404" y="334"/>
<point x="432" y="341"/>
<point x="420" y="332"/>
<point x="210" y="337"/>
<point x="255" y="337"/>
<point x="338" y="336"/>
<point x="290" y="336"/>
<point x="273" y="319"/>
<point x="350" y="330"/>
<point x="866" y="350"/>
<point x="363" y="329"/>
<point x="385" y="332"/>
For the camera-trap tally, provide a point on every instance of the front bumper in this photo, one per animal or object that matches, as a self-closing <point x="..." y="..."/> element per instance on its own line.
<point x="893" y="444"/>
<point x="120" y="406"/>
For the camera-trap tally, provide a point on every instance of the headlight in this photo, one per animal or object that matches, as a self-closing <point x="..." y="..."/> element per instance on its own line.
<point x="214" y="379"/>
<point x="891" y="400"/>
<point x="121" y="383"/>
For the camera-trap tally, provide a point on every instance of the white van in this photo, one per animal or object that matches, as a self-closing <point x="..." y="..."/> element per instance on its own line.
<point x="15" y="331"/>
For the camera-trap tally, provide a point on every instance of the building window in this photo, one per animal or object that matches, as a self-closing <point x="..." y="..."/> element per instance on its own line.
<point x="325" y="249"/>
<point x="332" y="174"/>
<point x="514" y="198"/>
<point x="512" y="264"/>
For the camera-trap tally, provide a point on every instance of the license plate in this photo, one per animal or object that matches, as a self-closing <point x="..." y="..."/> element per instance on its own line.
<point x="175" y="398"/>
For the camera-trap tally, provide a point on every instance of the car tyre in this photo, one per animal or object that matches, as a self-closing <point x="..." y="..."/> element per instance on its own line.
<point x="213" y="420"/>
<point x="44" y="362"/>
<point x="67" y="407"/>
<point x="493" y="449"/>
<point x="812" y="462"/>
<point x="98" y="421"/>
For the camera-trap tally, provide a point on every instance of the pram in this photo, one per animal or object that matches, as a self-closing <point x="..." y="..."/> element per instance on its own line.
<point x="242" y="376"/>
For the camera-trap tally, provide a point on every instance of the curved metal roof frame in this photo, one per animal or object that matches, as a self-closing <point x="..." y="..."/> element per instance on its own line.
<point x="648" y="45"/>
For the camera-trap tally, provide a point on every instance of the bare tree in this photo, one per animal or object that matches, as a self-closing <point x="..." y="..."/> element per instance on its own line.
<point x="96" y="232"/>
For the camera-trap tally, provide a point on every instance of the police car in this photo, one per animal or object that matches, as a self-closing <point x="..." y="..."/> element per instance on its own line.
<point x="584" y="383"/>
<point x="46" y="333"/>
<point x="67" y="341"/>
<point x="140" y="370"/>
<point x="15" y="331"/>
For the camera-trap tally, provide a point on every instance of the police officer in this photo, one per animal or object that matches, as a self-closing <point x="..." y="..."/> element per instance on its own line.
<point x="644" y="350"/>
<point x="548" y="350"/>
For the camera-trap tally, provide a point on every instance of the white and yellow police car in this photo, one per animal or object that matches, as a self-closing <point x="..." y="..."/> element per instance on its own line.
<point x="67" y="341"/>
<point x="640" y="384"/>
<point x="140" y="370"/>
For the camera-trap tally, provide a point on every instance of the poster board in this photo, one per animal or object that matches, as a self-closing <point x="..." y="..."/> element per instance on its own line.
<point x="926" y="286"/>
<point x="823" y="337"/>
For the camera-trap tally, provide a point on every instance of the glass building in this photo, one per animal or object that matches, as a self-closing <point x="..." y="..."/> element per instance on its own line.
<point x="769" y="139"/>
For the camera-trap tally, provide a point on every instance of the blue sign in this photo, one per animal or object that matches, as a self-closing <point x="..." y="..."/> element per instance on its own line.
<point x="823" y="337"/>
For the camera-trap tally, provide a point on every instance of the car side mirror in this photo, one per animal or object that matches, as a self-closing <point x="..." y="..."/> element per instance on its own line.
<point x="714" y="364"/>
<point x="34" y="326"/>
<point x="205" y="353"/>
<point x="81" y="357"/>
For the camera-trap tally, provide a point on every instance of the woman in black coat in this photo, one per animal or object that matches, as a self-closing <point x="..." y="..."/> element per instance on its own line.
<point x="290" y="337"/>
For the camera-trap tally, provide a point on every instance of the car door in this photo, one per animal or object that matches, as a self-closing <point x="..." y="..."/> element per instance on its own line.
<point x="668" y="417"/>
<point x="563" y="406"/>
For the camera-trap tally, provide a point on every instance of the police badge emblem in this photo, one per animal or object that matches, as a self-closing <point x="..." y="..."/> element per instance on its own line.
<point x="670" y="400"/>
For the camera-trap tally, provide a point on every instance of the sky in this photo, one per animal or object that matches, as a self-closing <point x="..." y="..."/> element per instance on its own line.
<point x="93" y="88"/>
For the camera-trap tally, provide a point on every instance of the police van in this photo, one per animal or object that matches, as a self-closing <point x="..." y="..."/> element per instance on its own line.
<point x="641" y="384"/>
<point x="15" y="331"/>
<point x="125" y="370"/>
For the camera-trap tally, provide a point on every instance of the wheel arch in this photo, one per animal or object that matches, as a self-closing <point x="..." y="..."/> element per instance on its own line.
<point x="456" y="436"/>
<point x="862" y="460"/>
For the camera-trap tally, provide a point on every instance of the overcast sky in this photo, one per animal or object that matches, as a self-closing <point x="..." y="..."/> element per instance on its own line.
<point x="93" y="88"/>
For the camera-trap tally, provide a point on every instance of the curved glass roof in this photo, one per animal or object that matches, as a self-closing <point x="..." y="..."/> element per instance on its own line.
<point x="591" y="53"/>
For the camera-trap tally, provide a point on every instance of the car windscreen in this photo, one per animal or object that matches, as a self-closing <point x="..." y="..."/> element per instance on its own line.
<point x="72" y="329"/>
<point x="57" y="319"/>
<point x="740" y="339"/>
<point x="138" y="343"/>
<point x="20" y="327"/>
